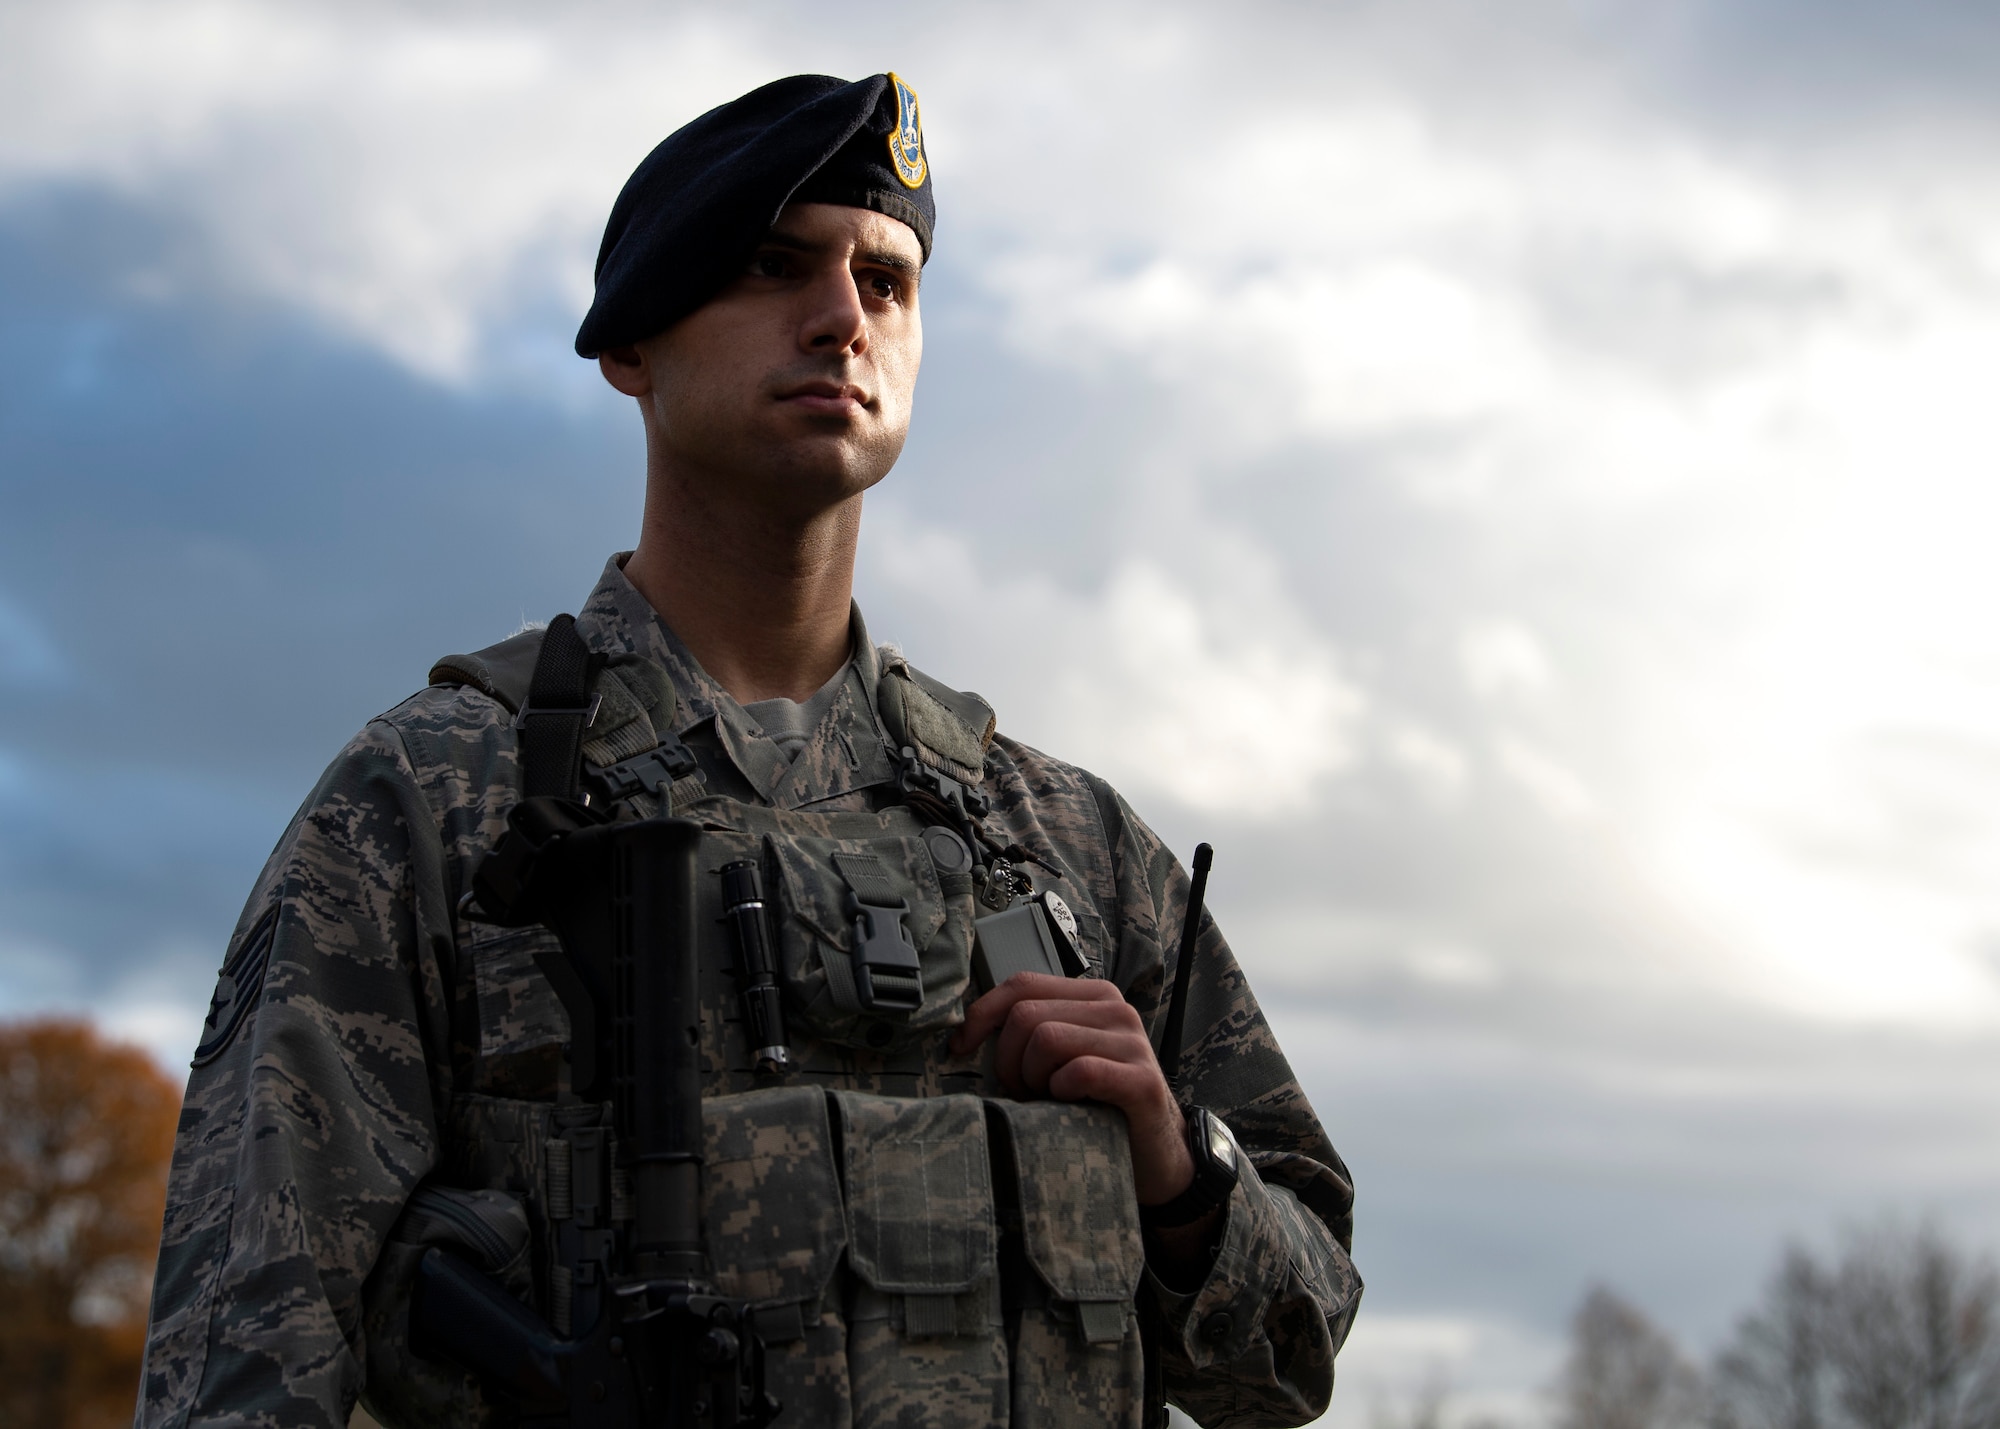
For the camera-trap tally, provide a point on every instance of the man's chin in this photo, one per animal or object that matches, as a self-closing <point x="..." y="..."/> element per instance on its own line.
<point x="852" y="460"/>
<point x="804" y="478"/>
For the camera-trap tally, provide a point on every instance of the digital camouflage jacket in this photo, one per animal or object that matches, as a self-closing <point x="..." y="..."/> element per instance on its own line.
<point x="368" y="1048"/>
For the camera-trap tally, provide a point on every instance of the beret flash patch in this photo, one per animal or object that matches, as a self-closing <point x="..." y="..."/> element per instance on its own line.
<point x="906" y="145"/>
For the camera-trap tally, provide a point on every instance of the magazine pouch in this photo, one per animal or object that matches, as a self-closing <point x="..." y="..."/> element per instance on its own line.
<point x="1072" y="1262"/>
<point x="925" y="1339"/>
<point x="775" y="1233"/>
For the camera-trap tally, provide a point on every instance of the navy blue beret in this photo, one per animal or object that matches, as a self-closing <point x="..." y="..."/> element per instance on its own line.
<point x="694" y="211"/>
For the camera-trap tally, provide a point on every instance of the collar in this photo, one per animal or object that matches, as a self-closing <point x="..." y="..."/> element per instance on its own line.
<point x="848" y="750"/>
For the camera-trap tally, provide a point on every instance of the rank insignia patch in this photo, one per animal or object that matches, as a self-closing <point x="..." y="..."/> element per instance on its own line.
<point x="906" y="145"/>
<point x="236" y="990"/>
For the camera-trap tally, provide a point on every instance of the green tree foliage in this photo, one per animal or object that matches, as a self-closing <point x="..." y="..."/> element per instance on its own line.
<point x="86" y="1131"/>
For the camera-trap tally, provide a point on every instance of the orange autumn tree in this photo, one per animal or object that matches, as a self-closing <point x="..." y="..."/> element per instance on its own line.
<point x="86" y="1131"/>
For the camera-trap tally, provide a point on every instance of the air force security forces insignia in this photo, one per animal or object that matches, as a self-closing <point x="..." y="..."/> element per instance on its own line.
<point x="906" y="145"/>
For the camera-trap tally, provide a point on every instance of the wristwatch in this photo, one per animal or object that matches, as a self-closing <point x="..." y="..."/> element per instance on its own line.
<point x="1217" y="1164"/>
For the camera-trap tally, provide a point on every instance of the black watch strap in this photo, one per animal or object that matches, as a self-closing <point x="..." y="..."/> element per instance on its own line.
<point x="1214" y="1174"/>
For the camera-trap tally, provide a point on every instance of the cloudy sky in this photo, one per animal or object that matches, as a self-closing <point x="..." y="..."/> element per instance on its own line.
<point x="1518" y="479"/>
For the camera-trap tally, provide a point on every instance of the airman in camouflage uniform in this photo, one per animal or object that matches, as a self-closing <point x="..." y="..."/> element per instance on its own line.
<point x="381" y="1072"/>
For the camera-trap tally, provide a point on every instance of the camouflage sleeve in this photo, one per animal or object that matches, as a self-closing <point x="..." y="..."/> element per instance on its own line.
<point x="312" y="1109"/>
<point x="1254" y="1342"/>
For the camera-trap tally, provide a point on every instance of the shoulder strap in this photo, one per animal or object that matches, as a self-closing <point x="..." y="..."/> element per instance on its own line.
<point x="560" y="707"/>
<point x="613" y="724"/>
<point x="543" y="678"/>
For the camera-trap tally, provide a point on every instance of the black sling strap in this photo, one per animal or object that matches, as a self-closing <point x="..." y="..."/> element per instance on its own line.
<point x="559" y="709"/>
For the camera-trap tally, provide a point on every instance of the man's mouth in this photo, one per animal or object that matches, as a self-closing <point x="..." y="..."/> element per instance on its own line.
<point x="825" y="398"/>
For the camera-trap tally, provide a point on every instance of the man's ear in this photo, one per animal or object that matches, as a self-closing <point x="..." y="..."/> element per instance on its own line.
<point x="626" y="369"/>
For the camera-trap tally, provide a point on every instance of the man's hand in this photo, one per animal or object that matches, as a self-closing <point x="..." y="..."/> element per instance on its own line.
<point x="1076" y="1039"/>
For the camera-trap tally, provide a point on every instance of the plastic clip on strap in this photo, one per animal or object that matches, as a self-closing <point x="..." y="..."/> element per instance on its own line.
<point x="919" y="777"/>
<point x="653" y="771"/>
<point x="887" y="976"/>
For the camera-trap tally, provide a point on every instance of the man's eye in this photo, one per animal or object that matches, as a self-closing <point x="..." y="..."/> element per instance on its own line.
<point x="768" y="265"/>
<point x="887" y="289"/>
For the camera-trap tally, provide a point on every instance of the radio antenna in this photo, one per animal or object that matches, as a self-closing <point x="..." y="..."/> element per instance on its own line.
<point x="1170" y="1038"/>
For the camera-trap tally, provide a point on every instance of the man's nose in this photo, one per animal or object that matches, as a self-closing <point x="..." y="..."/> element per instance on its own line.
<point x="835" y="320"/>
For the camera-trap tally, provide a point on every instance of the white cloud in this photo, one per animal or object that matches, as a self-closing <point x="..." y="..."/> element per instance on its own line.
<point x="1479" y="1370"/>
<point x="1227" y="711"/>
<point x="1722" y="425"/>
<point x="169" y="1032"/>
<point x="412" y="180"/>
<point x="1438" y="764"/>
<point x="1560" y="791"/>
<point x="1380" y="346"/>
<point x="1503" y="657"/>
<point x="1218" y="694"/>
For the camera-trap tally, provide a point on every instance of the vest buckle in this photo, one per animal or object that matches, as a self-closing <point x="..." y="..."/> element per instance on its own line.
<point x="887" y="976"/>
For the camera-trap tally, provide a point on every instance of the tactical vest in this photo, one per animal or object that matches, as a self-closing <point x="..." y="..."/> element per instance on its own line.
<point x="918" y="1248"/>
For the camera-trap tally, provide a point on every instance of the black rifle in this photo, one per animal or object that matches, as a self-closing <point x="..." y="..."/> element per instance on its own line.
<point x="641" y="1338"/>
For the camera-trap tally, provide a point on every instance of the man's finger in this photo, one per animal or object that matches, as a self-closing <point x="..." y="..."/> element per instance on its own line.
<point x="1116" y="1083"/>
<point x="990" y="1011"/>
<point x="1031" y="1014"/>
<point x="1053" y="1044"/>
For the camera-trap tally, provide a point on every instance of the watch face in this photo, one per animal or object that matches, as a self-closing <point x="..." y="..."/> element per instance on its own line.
<point x="1221" y="1147"/>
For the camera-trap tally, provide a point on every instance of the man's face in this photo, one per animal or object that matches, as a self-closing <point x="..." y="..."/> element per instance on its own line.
<point x="795" y="381"/>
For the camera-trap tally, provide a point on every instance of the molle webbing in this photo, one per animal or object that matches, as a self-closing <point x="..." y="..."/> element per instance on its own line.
<point x="868" y="878"/>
